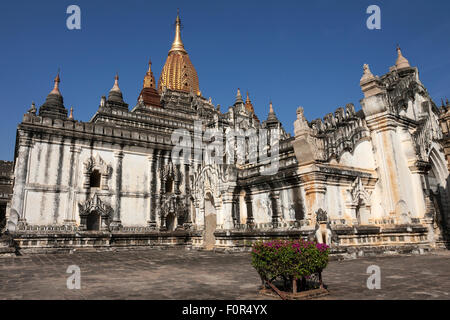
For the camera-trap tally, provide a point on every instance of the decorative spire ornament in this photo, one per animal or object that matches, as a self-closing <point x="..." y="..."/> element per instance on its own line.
<point x="239" y="97"/>
<point x="32" y="109"/>
<point x="53" y="106"/>
<point x="177" y="44"/>
<point x="115" y="94"/>
<point x="367" y="75"/>
<point x="56" y="87"/>
<point x="71" y="113"/>
<point x="401" y="62"/>
<point x="116" y="84"/>
<point x="149" y="79"/>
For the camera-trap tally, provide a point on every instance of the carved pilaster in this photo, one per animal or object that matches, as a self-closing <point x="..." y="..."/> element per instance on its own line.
<point x="116" y="223"/>
<point x="249" y="204"/>
<point x="276" y="208"/>
<point x="73" y="183"/>
<point x="315" y="190"/>
<point x="151" y="223"/>
<point x="17" y="217"/>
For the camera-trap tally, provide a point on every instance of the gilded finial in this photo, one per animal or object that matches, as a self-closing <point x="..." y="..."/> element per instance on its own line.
<point x="248" y="99"/>
<point x="270" y="107"/>
<point x="56" y="87"/>
<point x="149" y="80"/>
<point x="177" y="44"/>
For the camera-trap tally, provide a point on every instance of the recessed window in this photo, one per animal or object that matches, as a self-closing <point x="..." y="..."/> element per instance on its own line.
<point x="95" y="179"/>
<point x="169" y="185"/>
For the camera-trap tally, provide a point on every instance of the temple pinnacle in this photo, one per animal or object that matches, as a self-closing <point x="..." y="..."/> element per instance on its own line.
<point x="56" y="87"/>
<point x="71" y="113"/>
<point x="116" y="83"/>
<point x="401" y="62"/>
<point x="177" y="44"/>
<point x="239" y="97"/>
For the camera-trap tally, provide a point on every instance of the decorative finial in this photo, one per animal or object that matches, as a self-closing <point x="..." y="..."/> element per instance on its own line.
<point x="149" y="80"/>
<point x="116" y="83"/>
<point x="56" y="87"/>
<point x="367" y="74"/>
<point x="239" y="97"/>
<point x="32" y="109"/>
<point x="177" y="44"/>
<point x="271" y="107"/>
<point x="71" y="113"/>
<point x="248" y="99"/>
<point x="401" y="62"/>
<point x="103" y="101"/>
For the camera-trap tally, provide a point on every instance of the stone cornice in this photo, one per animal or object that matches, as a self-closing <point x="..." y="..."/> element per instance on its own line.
<point x="91" y="131"/>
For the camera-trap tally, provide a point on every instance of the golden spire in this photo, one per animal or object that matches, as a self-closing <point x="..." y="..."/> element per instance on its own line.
<point x="56" y="87"/>
<point x="401" y="62"/>
<point x="178" y="72"/>
<point x="270" y="107"/>
<point x="149" y="79"/>
<point x="248" y="99"/>
<point x="177" y="44"/>
<point x="249" y="107"/>
<point x="248" y="104"/>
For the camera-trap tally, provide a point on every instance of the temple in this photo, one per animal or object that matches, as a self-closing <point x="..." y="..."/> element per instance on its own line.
<point x="373" y="180"/>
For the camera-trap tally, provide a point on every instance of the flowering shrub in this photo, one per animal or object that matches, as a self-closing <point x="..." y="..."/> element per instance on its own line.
<point x="289" y="259"/>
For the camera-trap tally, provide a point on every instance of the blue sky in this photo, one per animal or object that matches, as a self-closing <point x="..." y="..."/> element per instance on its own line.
<point x="297" y="53"/>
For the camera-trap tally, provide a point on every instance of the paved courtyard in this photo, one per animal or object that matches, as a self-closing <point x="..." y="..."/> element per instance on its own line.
<point x="179" y="274"/>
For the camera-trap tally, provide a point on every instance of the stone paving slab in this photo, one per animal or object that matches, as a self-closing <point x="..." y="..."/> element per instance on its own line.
<point x="180" y="274"/>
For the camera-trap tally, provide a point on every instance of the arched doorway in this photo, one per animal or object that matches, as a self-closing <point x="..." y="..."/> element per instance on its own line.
<point x="93" y="221"/>
<point x="210" y="222"/>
